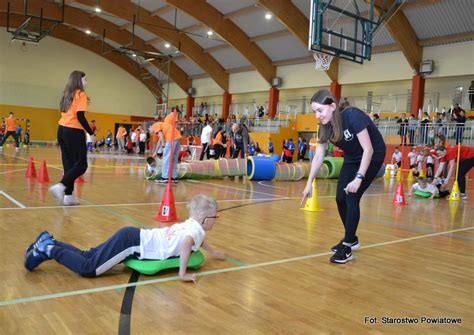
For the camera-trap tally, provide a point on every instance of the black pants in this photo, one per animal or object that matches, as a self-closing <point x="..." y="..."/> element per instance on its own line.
<point x="8" y="134"/>
<point x="348" y="204"/>
<point x="74" y="155"/>
<point x="239" y="147"/>
<point x="464" y="167"/>
<point x="205" y="151"/>
<point x="218" y="149"/>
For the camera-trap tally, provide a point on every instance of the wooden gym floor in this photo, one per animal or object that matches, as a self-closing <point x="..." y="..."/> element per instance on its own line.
<point x="416" y="260"/>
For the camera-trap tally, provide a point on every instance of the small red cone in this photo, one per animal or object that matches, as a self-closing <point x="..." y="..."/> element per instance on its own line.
<point x="80" y="179"/>
<point x="167" y="211"/>
<point x="31" y="171"/>
<point x="43" y="174"/>
<point x="399" y="197"/>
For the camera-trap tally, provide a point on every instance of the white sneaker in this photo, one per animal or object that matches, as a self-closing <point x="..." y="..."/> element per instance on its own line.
<point x="463" y="196"/>
<point x="71" y="200"/>
<point x="57" y="191"/>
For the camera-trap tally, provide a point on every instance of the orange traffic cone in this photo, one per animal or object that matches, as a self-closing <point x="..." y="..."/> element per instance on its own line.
<point x="80" y="179"/>
<point x="399" y="197"/>
<point x="31" y="171"/>
<point x="43" y="174"/>
<point x="167" y="211"/>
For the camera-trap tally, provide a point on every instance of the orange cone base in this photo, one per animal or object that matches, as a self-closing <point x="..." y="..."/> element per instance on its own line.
<point x="167" y="211"/>
<point x="399" y="197"/>
<point x="31" y="171"/>
<point x="80" y="180"/>
<point x="43" y="176"/>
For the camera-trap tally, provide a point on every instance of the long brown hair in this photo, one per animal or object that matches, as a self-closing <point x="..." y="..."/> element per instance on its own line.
<point x="74" y="83"/>
<point x="332" y="131"/>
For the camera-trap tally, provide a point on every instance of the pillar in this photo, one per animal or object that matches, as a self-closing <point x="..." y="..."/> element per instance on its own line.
<point x="226" y="100"/>
<point x="189" y="106"/>
<point x="335" y="89"/>
<point x="417" y="93"/>
<point x="273" y="98"/>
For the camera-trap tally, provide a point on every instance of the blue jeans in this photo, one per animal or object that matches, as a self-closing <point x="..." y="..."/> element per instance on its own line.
<point x="166" y="159"/>
<point x="311" y="155"/>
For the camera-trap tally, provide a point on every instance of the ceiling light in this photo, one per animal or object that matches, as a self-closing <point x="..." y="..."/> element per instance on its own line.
<point x="88" y="32"/>
<point x="97" y="9"/>
<point x="268" y="16"/>
<point x="210" y="33"/>
<point x="167" y="45"/>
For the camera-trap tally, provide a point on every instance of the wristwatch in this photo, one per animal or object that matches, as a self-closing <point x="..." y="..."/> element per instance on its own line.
<point x="360" y="176"/>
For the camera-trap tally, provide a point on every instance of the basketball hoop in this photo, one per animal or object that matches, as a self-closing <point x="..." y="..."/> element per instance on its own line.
<point x="322" y="61"/>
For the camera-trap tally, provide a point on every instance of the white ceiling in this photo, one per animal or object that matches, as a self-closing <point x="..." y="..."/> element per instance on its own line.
<point x="429" y="19"/>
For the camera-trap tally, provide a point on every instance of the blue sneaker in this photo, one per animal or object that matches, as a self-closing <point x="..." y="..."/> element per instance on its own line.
<point x="41" y="236"/>
<point x="37" y="254"/>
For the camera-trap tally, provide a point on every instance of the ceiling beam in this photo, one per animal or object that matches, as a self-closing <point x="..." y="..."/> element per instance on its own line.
<point x="269" y="36"/>
<point x="163" y="10"/>
<point x="87" y="42"/>
<point x="160" y="27"/>
<point x="211" y="17"/>
<point x="296" y="22"/>
<point x="81" y="19"/>
<point x="402" y="32"/>
<point x="242" y="11"/>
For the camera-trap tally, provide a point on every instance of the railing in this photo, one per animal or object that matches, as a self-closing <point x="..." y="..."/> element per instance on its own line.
<point x="393" y="133"/>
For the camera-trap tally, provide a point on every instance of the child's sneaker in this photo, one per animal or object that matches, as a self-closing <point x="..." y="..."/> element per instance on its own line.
<point x="354" y="245"/>
<point x="161" y="181"/>
<point x="463" y="196"/>
<point x="71" y="200"/>
<point x="41" y="237"/>
<point x="38" y="254"/>
<point x="57" y="191"/>
<point x="174" y="181"/>
<point x="342" y="255"/>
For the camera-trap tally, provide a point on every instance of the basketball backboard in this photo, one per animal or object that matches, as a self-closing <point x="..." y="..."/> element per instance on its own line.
<point x="345" y="28"/>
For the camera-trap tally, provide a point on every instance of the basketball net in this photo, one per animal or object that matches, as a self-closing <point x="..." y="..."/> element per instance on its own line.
<point x="322" y="61"/>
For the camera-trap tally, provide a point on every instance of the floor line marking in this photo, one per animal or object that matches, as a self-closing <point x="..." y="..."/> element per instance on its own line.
<point x="261" y="183"/>
<point x="177" y="202"/>
<point x="211" y="272"/>
<point x="16" y="202"/>
<point x="12" y="171"/>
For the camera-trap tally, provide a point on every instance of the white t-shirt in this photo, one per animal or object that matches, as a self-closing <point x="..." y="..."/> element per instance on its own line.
<point x="163" y="243"/>
<point x="429" y="159"/>
<point x="429" y="188"/>
<point x="412" y="158"/>
<point x="206" y="134"/>
<point x="142" y="137"/>
<point x="151" y="169"/>
<point x="133" y="137"/>
<point x="397" y="156"/>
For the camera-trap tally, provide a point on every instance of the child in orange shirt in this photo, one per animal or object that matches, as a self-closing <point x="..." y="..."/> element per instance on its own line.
<point x="10" y="122"/>
<point x="71" y="137"/>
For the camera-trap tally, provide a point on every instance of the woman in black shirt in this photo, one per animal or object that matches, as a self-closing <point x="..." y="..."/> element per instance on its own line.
<point x="364" y="151"/>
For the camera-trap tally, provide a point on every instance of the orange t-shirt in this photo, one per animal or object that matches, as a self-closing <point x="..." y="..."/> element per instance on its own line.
<point x="312" y="144"/>
<point x="11" y="123"/>
<point x="121" y="131"/>
<point x="79" y="104"/>
<point x="217" y="139"/>
<point x="167" y="130"/>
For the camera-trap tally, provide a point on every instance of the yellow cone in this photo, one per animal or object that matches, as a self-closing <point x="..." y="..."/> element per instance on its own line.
<point x="399" y="174"/>
<point x="410" y="175"/>
<point x="387" y="173"/>
<point x="422" y="173"/>
<point x="455" y="194"/>
<point x="312" y="203"/>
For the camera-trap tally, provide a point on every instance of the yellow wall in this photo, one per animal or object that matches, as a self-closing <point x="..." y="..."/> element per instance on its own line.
<point x="44" y="121"/>
<point x="284" y="133"/>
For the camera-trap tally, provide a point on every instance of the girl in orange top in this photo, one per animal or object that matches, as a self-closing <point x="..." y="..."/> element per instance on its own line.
<point x="10" y="122"/>
<point x="71" y="137"/>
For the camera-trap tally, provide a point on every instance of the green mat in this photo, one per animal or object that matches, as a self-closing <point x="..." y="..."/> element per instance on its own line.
<point x="150" y="267"/>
